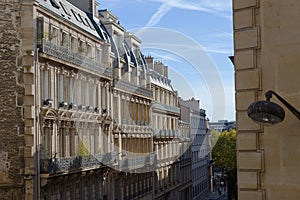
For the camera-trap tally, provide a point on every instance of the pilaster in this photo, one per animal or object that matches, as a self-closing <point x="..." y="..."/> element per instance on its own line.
<point x="250" y="157"/>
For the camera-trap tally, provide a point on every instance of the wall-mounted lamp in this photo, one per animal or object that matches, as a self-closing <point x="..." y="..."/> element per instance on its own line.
<point x="48" y="102"/>
<point x="269" y="113"/>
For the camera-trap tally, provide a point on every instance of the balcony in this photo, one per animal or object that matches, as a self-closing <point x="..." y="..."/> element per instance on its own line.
<point x="166" y="133"/>
<point x="166" y="108"/>
<point x="137" y="162"/>
<point x="78" y="59"/>
<point x="132" y="88"/>
<point x="75" y="163"/>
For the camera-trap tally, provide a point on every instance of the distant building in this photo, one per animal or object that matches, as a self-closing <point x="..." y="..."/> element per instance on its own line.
<point x="165" y="116"/>
<point x="222" y="125"/>
<point x="200" y="146"/>
<point x="185" y="160"/>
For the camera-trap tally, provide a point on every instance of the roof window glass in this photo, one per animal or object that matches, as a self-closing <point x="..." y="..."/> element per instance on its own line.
<point x="65" y="9"/>
<point x="54" y="4"/>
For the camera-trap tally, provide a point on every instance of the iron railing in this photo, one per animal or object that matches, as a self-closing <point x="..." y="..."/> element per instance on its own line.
<point x="132" y="88"/>
<point x="75" y="163"/>
<point x="166" y="108"/>
<point x="78" y="59"/>
<point x="166" y="133"/>
<point x="137" y="162"/>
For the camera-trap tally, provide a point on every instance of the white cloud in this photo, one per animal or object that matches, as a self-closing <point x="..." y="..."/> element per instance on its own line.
<point x="216" y="7"/>
<point x="164" y="9"/>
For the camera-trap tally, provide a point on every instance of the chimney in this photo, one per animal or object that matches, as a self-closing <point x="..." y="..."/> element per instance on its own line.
<point x="88" y="6"/>
<point x="150" y="62"/>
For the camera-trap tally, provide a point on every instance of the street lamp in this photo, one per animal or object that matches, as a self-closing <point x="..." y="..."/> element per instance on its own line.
<point x="270" y="113"/>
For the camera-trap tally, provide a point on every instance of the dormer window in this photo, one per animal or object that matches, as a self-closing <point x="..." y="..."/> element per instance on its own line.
<point x="65" y="9"/>
<point x="75" y="15"/>
<point x="54" y="4"/>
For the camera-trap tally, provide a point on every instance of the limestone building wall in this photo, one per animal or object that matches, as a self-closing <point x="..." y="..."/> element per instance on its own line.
<point x="266" y="43"/>
<point x="15" y="76"/>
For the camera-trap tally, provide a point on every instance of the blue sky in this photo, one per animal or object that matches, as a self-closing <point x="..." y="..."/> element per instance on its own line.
<point x="202" y="25"/>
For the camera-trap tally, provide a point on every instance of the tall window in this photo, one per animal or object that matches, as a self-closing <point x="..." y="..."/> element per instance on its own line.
<point x="104" y="98"/>
<point x="89" y="51"/>
<point x="87" y="94"/>
<point x="81" y="47"/>
<point x="39" y="31"/>
<point x="70" y="82"/>
<point x="60" y="88"/>
<point x="73" y="44"/>
<point x="78" y="91"/>
<point x="45" y="85"/>
<point x="83" y="97"/>
<point x="64" y="39"/>
<point x="98" y="55"/>
<point x="53" y="34"/>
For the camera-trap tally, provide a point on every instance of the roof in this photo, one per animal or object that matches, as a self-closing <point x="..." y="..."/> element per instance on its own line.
<point x="70" y="13"/>
<point x="160" y="80"/>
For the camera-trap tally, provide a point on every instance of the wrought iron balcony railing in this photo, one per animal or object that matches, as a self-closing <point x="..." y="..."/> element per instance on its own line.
<point x="75" y="163"/>
<point x="166" y="108"/>
<point x="137" y="162"/>
<point x="78" y="59"/>
<point x="166" y="133"/>
<point x="132" y="88"/>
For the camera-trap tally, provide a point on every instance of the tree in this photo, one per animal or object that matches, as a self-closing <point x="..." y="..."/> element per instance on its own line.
<point x="224" y="156"/>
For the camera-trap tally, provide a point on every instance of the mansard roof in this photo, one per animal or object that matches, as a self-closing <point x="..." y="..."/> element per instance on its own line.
<point x="70" y="13"/>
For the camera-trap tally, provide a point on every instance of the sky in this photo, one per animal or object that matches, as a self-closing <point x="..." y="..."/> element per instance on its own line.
<point x="193" y="38"/>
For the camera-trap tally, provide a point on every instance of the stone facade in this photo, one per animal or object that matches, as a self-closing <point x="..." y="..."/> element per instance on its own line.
<point x="78" y="102"/>
<point x="200" y="147"/>
<point x="12" y="133"/>
<point x="266" y="45"/>
<point x="166" y="139"/>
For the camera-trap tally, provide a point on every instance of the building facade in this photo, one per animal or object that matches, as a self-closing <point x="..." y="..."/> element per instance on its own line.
<point x="222" y="125"/>
<point x="82" y="120"/>
<point x="266" y="57"/>
<point x="185" y="160"/>
<point x="200" y="147"/>
<point x="84" y="115"/>
<point x="165" y="116"/>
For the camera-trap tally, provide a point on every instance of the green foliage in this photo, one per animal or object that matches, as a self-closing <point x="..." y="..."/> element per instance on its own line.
<point x="214" y="137"/>
<point x="224" y="152"/>
<point x="224" y="156"/>
<point x="83" y="151"/>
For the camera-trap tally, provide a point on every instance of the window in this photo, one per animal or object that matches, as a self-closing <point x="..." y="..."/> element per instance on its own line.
<point x="54" y="4"/>
<point x="53" y="34"/>
<point x="89" y="51"/>
<point x="81" y="19"/>
<point x="75" y="15"/>
<point x="60" y="88"/>
<point x="73" y="44"/>
<point x="104" y="98"/>
<point x="87" y="94"/>
<point x="65" y="9"/>
<point x="81" y="47"/>
<point x="87" y="22"/>
<point x="45" y="84"/>
<point x="78" y="91"/>
<point x="64" y="39"/>
<point x="70" y="82"/>
<point x="98" y="55"/>
<point x="39" y="31"/>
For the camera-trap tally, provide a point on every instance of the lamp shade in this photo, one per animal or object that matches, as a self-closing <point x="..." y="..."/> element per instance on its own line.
<point x="266" y="112"/>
